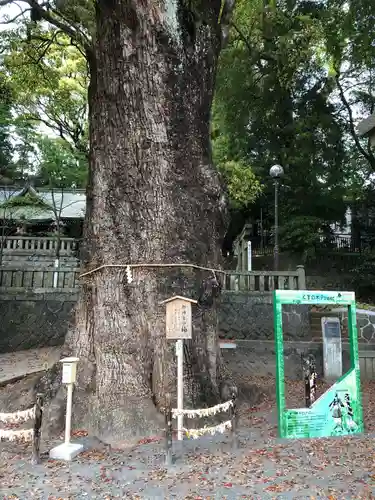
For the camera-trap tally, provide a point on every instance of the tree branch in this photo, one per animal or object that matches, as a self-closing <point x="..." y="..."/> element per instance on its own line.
<point x="64" y="26"/>
<point x="243" y="37"/>
<point x="368" y="155"/>
<point x="224" y="19"/>
<point x="13" y="19"/>
<point x="253" y="51"/>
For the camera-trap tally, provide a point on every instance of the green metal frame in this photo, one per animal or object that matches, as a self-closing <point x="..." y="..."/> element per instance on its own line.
<point x="319" y="420"/>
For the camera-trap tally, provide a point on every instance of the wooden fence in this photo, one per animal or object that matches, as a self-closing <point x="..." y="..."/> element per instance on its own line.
<point x="265" y="281"/>
<point x="38" y="277"/>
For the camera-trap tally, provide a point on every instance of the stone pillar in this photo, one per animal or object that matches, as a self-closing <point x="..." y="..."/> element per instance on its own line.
<point x="301" y="278"/>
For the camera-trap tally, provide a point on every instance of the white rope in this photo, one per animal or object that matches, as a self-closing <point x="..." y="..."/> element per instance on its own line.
<point x="129" y="266"/>
<point x="204" y="412"/>
<point x="18" y="416"/>
<point x="21" y="435"/>
<point x="196" y="433"/>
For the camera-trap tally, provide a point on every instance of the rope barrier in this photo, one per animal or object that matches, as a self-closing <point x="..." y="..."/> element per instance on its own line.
<point x="18" y="416"/>
<point x="170" y="414"/>
<point x="25" y="435"/>
<point x="196" y="433"/>
<point x="21" y="435"/>
<point x="129" y="266"/>
<point x="204" y="412"/>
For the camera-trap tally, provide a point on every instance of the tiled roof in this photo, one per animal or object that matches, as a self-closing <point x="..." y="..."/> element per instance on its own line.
<point x="64" y="204"/>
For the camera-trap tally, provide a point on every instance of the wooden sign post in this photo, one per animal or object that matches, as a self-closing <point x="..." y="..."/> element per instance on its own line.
<point x="179" y="327"/>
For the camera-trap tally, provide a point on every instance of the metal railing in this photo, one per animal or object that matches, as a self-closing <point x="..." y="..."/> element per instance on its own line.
<point x="333" y="243"/>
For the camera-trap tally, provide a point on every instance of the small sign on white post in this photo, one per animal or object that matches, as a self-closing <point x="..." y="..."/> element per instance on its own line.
<point x="178" y="317"/>
<point x="68" y="450"/>
<point x="56" y="274"/>
<point x="179" y="327"/>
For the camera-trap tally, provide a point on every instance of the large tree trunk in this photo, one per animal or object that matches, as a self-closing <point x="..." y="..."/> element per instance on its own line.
<point x="154" y="197"/>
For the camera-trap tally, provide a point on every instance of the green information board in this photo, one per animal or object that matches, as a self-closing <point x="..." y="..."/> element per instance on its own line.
<point x="339" y="410"/>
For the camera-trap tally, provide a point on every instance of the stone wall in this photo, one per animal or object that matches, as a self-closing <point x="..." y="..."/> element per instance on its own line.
<point x="31" y="319"/>
<point x="37" y="260"/>
<point x="40" y="318"/>
<point x="333" y="282"/>
<point x="249" y="315"/>
<point x="259" y="358"/>
<point x="365" y="324"/>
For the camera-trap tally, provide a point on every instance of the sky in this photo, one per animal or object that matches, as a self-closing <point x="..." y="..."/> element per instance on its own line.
<point x="10" y="10"/>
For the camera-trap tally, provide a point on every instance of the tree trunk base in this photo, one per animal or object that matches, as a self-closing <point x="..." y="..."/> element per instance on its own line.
<point x="110" y="415"/>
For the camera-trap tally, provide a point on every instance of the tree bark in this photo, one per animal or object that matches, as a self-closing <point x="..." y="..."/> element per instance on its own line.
<point x="153" y="197"/>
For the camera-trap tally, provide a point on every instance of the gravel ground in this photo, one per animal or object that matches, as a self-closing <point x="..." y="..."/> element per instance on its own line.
<point x="261" y="467"/>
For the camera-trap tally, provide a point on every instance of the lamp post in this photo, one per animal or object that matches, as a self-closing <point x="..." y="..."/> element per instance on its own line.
<point x="276" y="171"/>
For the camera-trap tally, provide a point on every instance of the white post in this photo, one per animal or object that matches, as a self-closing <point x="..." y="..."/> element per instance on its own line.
<point x="68" y="420"/>
<point x="56" y="274"/>
<point x="249" y="257"/>
<point x="180" y="386"/>
<point x="68" y="450"/>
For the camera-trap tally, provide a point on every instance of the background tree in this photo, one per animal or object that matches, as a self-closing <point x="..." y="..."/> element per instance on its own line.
<point x="350" y="53"/>
<point x="49" y="79"/>
<point x="273" y="104"/>
<point x="6" y="148"/>
<point x="59" y="166"/>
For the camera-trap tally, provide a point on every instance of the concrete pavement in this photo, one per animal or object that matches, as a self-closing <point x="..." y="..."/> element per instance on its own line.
<point x="15" y="365"/>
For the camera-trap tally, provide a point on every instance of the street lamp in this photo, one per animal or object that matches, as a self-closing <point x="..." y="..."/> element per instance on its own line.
<point x="276" y="171"/>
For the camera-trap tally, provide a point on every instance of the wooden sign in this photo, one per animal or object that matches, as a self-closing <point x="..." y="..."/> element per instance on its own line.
<point x="69" y="372"/>
<point x="178" y="317"/>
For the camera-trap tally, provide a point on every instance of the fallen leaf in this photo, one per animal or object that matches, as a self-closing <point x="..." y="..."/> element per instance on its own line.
<point x="80" y="433"/>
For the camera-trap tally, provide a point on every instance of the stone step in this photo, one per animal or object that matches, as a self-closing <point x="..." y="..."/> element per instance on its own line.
<point x="316" y="319"/>
<point x="319" y="316"/>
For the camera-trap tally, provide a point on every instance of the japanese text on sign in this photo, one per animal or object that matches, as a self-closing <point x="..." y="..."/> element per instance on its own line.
<point x="178" y="320"/>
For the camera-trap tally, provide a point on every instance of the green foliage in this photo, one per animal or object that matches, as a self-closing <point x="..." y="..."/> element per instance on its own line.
<point x="287" y="86"/>
<point x="48" y="77"/>
<point x="79" y="13"/>
<point x="60" y="166"/>
<point x="27" y="200"/>
<point x="243" y="186"/>
<point x="273" y="104"/>
<point x="49" y="80"/>
<point x="348" y="40"/>
<point x="301" y="235"/>
<point x="6" y="149"/>
<point x="363" y="276"/>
